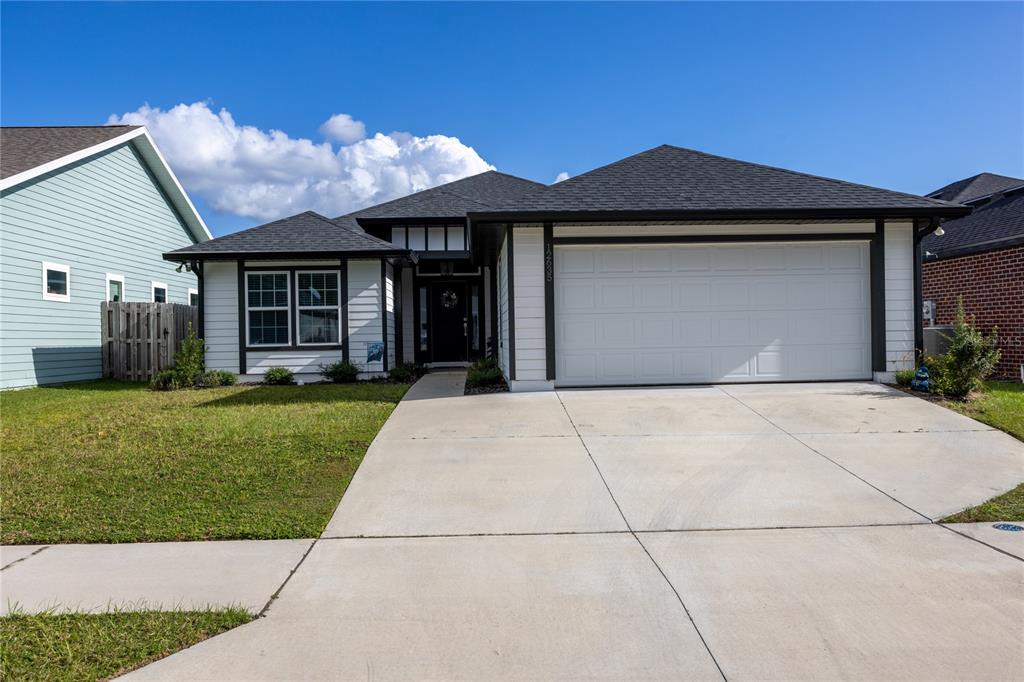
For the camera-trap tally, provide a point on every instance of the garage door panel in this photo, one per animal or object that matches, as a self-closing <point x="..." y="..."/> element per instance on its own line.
<point x="740" y="312"/>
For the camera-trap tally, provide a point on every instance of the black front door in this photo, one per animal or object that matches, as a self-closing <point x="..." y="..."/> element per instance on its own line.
<point x="448" y="322"/>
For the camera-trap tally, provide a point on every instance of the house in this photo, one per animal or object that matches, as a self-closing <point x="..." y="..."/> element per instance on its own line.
<point x="86" y="213"/>
<point x="668" y="267"/>
<point x="980" y="259"/>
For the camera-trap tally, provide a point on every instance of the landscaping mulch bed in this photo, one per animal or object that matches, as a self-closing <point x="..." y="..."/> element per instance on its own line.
<point x="491" y="388"/>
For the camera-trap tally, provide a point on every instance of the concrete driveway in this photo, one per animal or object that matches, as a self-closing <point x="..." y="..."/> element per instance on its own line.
<point x="738" y="532"/>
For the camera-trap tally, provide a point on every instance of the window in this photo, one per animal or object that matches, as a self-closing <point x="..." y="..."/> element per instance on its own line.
<point x="456" y="238"/>
<point x="319" y="307"/>
<point x="424" y="312"/>
<point x="266" y="295"/>
<point x="435" y="238"/>
<point x="398" y="237"/>
<point x="417" y="238"/>
<point x="159" y="292"/>
<point x="115" y="288"/>
<point x="193" y="297"/>
<point x="56" y="282"/>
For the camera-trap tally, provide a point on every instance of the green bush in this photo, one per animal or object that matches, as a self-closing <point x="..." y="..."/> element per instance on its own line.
<point x="406" y="372"/>
<point x="166" y="380"/>
<point x="189" y="361"/>
<point x="214" y="378"/>
<point x="905" y="376"/>
<point x="340" y="372"/>
<point x="970" y="358"/>
<point x="484" y="372"/>
<point x="279" y="376"/>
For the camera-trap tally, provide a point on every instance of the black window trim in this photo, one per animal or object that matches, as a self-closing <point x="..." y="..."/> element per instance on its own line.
<point x="299" y="308"/>
<point x="249" y="309"/>
<point x="291" y="271"/>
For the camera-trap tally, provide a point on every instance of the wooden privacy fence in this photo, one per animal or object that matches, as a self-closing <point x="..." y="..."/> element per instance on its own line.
<point x="140" y="339"/>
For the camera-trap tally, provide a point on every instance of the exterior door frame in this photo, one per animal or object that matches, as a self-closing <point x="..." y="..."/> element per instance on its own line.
<point x="419" y="282"/>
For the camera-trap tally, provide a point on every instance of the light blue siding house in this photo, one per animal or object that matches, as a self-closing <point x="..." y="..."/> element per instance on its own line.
<point x="85" y="216"/>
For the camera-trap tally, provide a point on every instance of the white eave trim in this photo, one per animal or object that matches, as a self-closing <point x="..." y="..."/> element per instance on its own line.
<point x="145" y="145"/>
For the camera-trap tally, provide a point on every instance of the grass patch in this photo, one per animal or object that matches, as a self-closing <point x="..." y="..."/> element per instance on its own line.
<point x="1007" y="507"/>
<point x="1000" y="405"/>
<point x="78" y="646"/>
<point x="114" y="462"/>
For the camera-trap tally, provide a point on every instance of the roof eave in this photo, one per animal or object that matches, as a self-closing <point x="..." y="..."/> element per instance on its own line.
<point x="186" y="257"/>
<point x="745" y="214"/>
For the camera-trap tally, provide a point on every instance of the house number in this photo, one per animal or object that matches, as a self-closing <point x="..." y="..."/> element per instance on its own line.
<point x="549" y="263"/>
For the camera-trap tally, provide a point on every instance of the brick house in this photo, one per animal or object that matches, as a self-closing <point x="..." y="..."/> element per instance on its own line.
<point x="980" y="257"/>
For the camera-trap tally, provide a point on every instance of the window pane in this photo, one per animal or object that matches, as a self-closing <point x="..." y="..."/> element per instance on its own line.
<point x="193" y="299"/>
<point x="267" y="291"/>
<point x="456" y="238"/>
<point x="268" y="327"/>
<point x="417" y="238"/>
<point x="423" y="319"/>
<point x="318" y="289"/>
<point x="116" y="292"/>
<point x="159" y="295"/>
<point x="435" y="238"/>
<point x="57" y="282"/>
<point x="474" y="312"/>
<point x="318" y="326"/>
<point x="398" y="236"/>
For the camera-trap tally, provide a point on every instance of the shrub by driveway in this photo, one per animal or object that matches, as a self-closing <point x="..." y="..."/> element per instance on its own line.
<point x="113" y="462"/>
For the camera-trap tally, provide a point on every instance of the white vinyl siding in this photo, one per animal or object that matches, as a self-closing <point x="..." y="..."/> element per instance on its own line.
<point x="364" y="314"/>
<point x="528" y="279"/>
<point x="301" y="361"/>
<point x="220" y="311"/>
<point x="409" y="302"/>
<point x="503" y="336"/>
<point x="389" y="310"/>
<point x="899" y="296"/>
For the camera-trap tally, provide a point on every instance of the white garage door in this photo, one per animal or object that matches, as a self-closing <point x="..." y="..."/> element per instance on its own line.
<point x="712" y="313"/>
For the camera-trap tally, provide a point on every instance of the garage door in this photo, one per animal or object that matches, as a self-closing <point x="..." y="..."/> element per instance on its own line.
<point x="712" y="313"/>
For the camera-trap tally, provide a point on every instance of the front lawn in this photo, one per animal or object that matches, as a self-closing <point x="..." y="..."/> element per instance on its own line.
<point x="1007" y="507"/>
<point x="114" y="462"/>
<point x="1001" y="405"/>
<point x="78" y="646"/>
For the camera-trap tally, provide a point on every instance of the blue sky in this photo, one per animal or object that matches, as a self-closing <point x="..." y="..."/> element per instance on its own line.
<point x="905" y="96"/>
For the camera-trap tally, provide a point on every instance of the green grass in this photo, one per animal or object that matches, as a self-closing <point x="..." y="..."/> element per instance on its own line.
<point x="1001" y="405"/>
<point x="1007" y="507"/>
<point x="114" y="462"/>
<point x="78" y="646"/>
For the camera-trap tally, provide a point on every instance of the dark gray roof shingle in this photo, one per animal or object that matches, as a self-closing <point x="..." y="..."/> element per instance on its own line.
<point x="995" y="224"/>
<point x="670" y="179"/>
<point x="305" y="233"/>
<point x="976" y="186"/>
<point x="480" y="192"/>
<point x="25" y="148"/>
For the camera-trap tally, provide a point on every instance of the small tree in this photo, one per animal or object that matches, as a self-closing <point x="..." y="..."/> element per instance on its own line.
<point x="970" y="358"/>
<point x="188" y="361"/>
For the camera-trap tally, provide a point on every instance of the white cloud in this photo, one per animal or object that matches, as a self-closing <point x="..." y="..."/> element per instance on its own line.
<point x="266" y="174"/>
<point x="343" y="128"/>
<point x="561" y="176"/>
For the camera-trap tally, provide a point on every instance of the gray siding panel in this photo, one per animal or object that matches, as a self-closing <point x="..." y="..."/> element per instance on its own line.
<point x="103" y="215"/>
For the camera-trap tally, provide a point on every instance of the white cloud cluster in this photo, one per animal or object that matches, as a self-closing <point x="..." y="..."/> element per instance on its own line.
<point x="561" y="176"/>
<point x="250" y="172"/>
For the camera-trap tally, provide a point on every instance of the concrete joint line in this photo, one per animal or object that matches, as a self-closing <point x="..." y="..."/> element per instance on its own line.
<point x="24" y="558"/>
<point x="629" y="528"/>
<point x="815" y="451"/>
<point x="266" y="607"/>
<point x="980" y="542"/>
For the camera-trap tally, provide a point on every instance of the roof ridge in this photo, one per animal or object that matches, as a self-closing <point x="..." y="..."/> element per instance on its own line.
<point x="117" y="125"/>
<point x="422" y="191"/>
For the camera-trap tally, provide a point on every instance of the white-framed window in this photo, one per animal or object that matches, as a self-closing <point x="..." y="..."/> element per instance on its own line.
<point x="193" y="296"/>
<point x="319" y="307"/>
<point x="159" y="292"/>
<point x="56" y="282"/>
<point x="266" y="309"/>
<point x="115" y="287"/>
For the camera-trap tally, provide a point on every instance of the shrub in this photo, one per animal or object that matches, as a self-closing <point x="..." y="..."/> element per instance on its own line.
<point x="406" y="372"/>
<point x="189" y="362"/>
<point x="216" y="377"/>
<point x="279" y="376"/>
<point x="340" y="372"/>
<point x="970" y="358"/>
<point x="166" y="380"/>
<point x="484" y="372"/>
<point x="905" y="376"/>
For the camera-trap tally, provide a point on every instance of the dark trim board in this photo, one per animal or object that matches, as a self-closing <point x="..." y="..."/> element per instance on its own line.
<point x="287" y="255"/>
<point x="197" y="268"/>
<point x="343" y="268"/>
<point x="918" y="300"/>
<point x="511" y="296"/>
<point x="495" y="313"/>
<point x="398" y="293"/>
<point x="877" y="258"/>
<point x="712" y="238"/>
<point x="242" y="364"/>
<point x="549" y="300"/>
<point x="384" y="312"/>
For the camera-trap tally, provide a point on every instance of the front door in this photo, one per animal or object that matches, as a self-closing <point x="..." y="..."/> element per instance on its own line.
<point x="448" y="322"/>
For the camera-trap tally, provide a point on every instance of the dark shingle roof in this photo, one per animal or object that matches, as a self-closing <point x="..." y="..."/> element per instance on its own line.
<point x="305" y="233"/>
<point x="480" y="192"/>
<point x="24" y="148"/>
<point x="976" y="186"/>
<point x="994" y="224"/>
<point x="672" y="180"/>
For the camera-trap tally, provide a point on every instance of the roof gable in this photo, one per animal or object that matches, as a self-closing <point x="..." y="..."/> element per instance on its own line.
<point x="975" y="187"/>
<point x="674" y="180"/>
<point x="994" y="225"/>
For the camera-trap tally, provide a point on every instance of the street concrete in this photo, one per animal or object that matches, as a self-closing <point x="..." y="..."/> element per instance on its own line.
<point x="158" y="575"/>
<point x="1011" y="542"/>
<point x="894" y="603"/>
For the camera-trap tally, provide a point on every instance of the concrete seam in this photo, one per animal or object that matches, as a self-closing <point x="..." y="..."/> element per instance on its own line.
<point x="980" y="542"/>
<point x="27" y="556"/>
<point x="266" y="607"/>
<point x="826" y="457"/>
<point x="668" y="582"/>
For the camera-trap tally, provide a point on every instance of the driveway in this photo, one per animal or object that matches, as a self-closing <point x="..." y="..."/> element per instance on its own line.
<point x="738" y="532"/>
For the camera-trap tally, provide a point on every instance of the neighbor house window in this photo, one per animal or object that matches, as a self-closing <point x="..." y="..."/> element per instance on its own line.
<point x="56" y="282"/>
<point x="319" y="307"/>
<point x="456" y="238"/>
<point x="435" y="238"/>
<point x="398" y="237"/>
<point x="417" y="240"/>
<point x="115" y="288"/>
<point x="193" y="297"/>
<point x="159" y="292"/>
<point x="266" y="295"/>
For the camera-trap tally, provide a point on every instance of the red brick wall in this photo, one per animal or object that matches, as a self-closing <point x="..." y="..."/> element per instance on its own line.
<point x="992" y="287"/>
